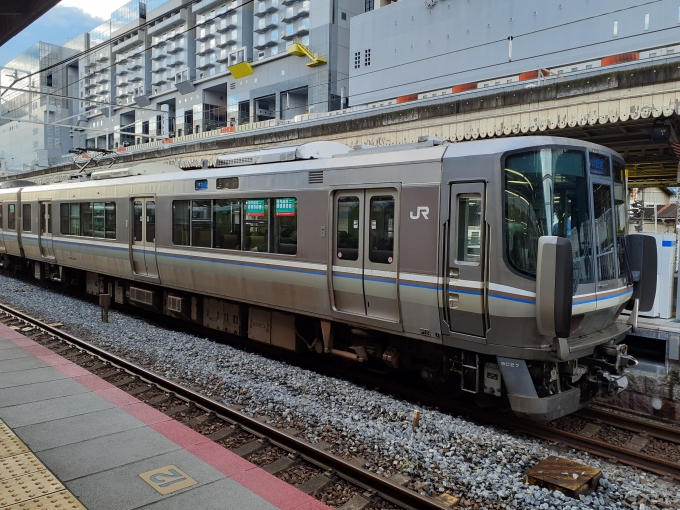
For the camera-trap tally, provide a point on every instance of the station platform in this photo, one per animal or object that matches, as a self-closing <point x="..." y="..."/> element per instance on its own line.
<point x="71" y="440"/>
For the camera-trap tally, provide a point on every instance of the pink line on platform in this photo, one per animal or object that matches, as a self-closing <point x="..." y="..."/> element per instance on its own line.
<point x="259" y="482"/>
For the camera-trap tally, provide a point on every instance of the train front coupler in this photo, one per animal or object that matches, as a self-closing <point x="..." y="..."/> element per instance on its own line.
<point x="607" y="367"/>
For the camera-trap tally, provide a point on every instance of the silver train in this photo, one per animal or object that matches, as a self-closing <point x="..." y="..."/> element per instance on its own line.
<point x="494" y="267"/>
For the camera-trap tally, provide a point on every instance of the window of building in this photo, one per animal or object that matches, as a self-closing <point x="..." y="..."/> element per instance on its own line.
<point x="368" y="5"/>
<point x="367" y="57"/>
<point x="357" y="60"/>
<point x="11" y="217"/>
<point x="26" y="218"/>
<point x="343" y="15"/>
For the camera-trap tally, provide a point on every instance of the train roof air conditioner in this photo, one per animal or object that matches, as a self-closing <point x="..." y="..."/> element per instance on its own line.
<point x="143" y="169"/>
<point x="312" y="150"/>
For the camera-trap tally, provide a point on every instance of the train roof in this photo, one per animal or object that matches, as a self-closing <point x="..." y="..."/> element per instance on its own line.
<point x="429" y="150"/>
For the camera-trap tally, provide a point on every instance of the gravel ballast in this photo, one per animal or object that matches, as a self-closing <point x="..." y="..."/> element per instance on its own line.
<point x="482" y="466"/>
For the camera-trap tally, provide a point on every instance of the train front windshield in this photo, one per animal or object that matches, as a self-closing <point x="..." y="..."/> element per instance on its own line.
<point x="546" y="194"/>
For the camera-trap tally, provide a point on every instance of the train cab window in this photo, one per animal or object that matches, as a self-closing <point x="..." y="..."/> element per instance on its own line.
<point x="201" y="223"/>
<point x="227" y="224"/>
<point x="256" y="225"/>
<point x="469" y="229"/>
<point x="348" y="228"/>
<point x="26" y="218"/>
<point x="11" y="217"/>
<point x="137" y="221"/>
<point x="181" y="223"/>
<point x="285" y="226"/>
<point x="604" y="232"/>
<point x="381" y="235"/>
<point x="150" y="222"/>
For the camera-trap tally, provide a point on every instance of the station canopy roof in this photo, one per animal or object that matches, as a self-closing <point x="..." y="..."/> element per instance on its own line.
<point x="15" y="15"/>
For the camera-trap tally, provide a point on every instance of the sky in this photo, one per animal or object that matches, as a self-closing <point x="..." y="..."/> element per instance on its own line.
<point x="66" y="20"/>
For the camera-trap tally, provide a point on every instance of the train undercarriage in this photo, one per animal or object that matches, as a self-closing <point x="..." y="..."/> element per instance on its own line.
<point x="539" y="390"/>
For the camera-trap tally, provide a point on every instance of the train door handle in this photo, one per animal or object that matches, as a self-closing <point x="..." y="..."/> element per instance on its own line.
<point x="454" y="301"/>
<point x="454" y="272"/>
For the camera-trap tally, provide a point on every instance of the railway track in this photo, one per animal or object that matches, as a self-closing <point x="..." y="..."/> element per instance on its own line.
<point x="238" y="432"/>
<point x="353" y="474"/>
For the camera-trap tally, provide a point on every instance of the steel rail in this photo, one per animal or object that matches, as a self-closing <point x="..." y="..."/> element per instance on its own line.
<point x="359" y="476"/>
<point x="649" y="427"/>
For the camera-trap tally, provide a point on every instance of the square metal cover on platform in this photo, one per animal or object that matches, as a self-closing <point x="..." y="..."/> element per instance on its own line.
<point x="566" y="476"/>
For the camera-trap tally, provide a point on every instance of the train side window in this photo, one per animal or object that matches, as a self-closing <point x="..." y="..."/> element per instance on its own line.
<point x="11" y="217"/>
<point x="137" y="221"/>
<point x="1" y="218"/>
<point x="348" y="228"/>
<point x="181" y="221"/>
<point x="285" y="226"/>
<point x="86" y="219"/>
<point x="469" y="229"/>
<point x="256" y="225"/>
<point x="201" y="223"/>
<point x="26" y="218"/>
<point x="227" y="224"/>
<point x="74" y="220"/>
<point x="63" y="217"/>
<point x="98" y="220"/>
<point x="381" y="247"/>
<point x="110" y="219"/>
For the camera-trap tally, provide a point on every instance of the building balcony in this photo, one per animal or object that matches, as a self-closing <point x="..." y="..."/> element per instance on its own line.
<point x="206" y="5"/>
<point x="122" y="94"/>
<point x="175" y="61"/>
<point x="102" y="78"/>
<point x="102" y="57"/>
<point x="158" y="54"/>
<point x="130" y="42"/>
<point x="288" y="2"/>
<point x="122" y="81"/>
<point x="135" y="78"/>
<point x="205" y="65"/>
<point x="90" y="95"/>
<point x="222" y="56"/>
<point x="159" y="67"/>
<point x="176" y="46"/>
<point x="264" y="7"/>
<point x="90" y="85"/>
<point x="159" y="80"/>
<point x="204" y="33"/>
<point x="175" y="20"/>
<point x="137" y="65"/>
<point x="227" y="23"/>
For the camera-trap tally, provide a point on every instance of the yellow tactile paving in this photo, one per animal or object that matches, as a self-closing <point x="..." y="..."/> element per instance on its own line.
<point x="23" y="488"/>
<point x="10" y="444"/>
<point x="25" y="483"/>
<point x="18" y="465"/>
<point x="62" y="500"/>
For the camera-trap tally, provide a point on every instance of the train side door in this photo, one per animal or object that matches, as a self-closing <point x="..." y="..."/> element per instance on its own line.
<point x="45" y="233"/>
<point x="144" y="237"/>
<point x="466" y="289"/>
<point x="364" y="272"/>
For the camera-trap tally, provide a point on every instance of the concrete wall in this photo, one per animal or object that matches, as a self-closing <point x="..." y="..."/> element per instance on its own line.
<point x="415" y="49"/>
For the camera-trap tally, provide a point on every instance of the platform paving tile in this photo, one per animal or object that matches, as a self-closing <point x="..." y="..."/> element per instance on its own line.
<point x="6" y="344"/>
<point x="19" y="364"/>
<point x="220" y="495"/>
<point x="30" y="376"/>
<point x="74" y="429"/>
<point x="123" y="489"/>
<point x="38" y="392"/>
<point x="62" y="407"/>
<point x="14" y="352"/>
<point x="104" y="453"/>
